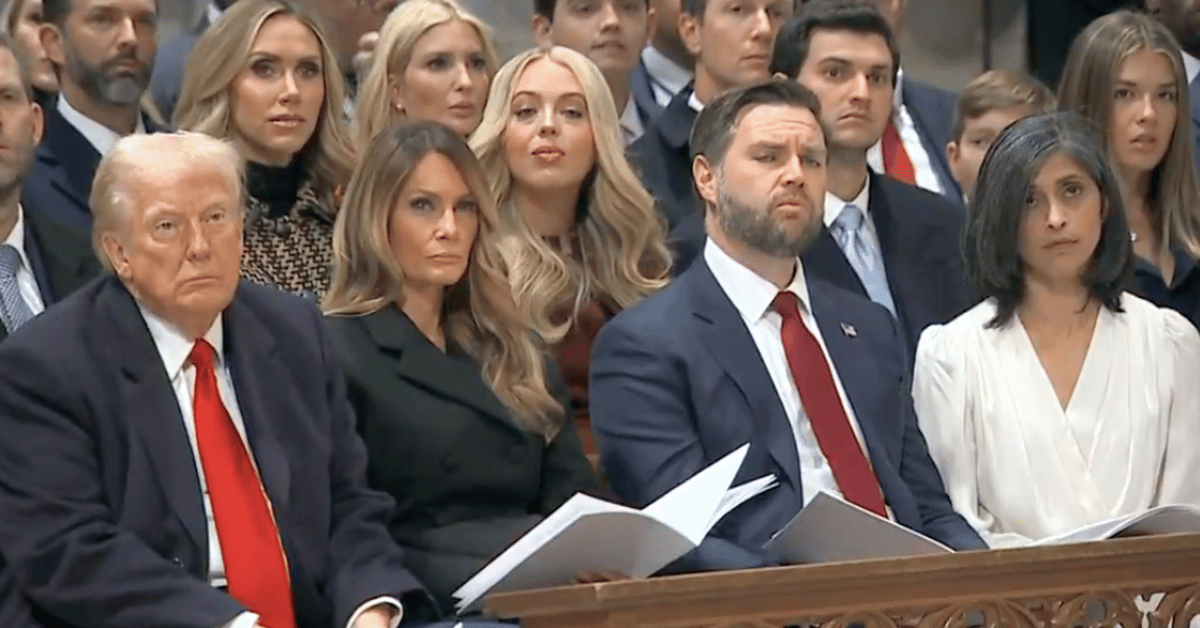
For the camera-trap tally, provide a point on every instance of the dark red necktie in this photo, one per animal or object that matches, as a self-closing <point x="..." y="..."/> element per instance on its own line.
<point x="255" y="566"/>
<point x="895" y="158"/>
<point x="819" y="396"/>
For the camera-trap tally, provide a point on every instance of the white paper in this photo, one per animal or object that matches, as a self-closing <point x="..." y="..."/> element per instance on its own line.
<point x="1170" y="519"/>
<point x="741" y="494"/>
<point x="830" y="529"/>
<point x="689" y="507"/>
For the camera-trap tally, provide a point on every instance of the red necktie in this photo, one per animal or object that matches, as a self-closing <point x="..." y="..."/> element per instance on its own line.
<point x="895" y="159"/>
<point x="819" y="396"/>
<point x="255" y="566"/>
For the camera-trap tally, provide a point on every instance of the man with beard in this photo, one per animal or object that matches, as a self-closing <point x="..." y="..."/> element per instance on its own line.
<point x="40" y="262"/>
<point x="103" y="50"/>
<point x="1182" y="18"/>
<point x="745" y="347"/>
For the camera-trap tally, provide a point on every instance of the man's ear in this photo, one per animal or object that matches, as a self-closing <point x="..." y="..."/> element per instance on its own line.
<point x="38" y="120"/>
<point x="651" y="24"/>
<point x="689" y="32"/>
<point x="52" y="41"/>
<point x="541" y="30"/>
<point x="705" y="178"/>
<point x="952" y="151"/>
<point x="114" y="250"/>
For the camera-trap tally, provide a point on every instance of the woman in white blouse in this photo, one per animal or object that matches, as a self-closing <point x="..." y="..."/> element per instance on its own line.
<point x="1060" y="400"/>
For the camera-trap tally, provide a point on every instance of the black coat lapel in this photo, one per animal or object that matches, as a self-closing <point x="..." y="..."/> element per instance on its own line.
<point x="255" y="369"/>
<point x="419" y="362"/>
<point x="74" y="158"/>
<point x="723" y="332"/>
<point x="65" y="258"/>
<point x="154" y="410"/>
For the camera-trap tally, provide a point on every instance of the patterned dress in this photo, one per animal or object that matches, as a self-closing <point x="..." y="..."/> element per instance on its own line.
<point x="290" y="249"/>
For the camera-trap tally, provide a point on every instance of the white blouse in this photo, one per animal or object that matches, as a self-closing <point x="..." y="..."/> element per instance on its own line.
<point x="1020" y="468"/>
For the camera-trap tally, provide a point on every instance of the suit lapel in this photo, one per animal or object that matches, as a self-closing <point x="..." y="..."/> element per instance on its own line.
<point x="826" y="258"/>
<point x="675" y="123"/>
<point x="643" y="94"/>
<point x="154" y="410"/>
<point x="254" y="366"/>
<point x="72" y="157"/>
<point x="724" y="333"/>
<point x="63" y="258"/>
<point x="904" y="253"/>
<point x="422" y="364"/>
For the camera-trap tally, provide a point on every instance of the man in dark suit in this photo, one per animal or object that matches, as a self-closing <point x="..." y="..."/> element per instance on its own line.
<point x="167" y="78"/>
<point x="40" y="262"/>
<point x="747" y="347"/>
<point x="730" y="48"/>
<point x="612" y="34"/>
<point x="665" y="65"/>
<point x="1182" y="18"/>
<point x="179" y="448"/>
<point x="103" y="73"/>
<point x="892" y="242"/>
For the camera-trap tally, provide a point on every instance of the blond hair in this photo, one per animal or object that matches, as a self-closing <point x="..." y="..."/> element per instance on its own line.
<point x="1001" y="89"/>
<point x="138" y="156"/>
<point x="479" y="312"/>
<point x="221" y="54"/>
<point x="1087" y="87"/>
<point x="621" y="237"/>
<point x="405" y="25"/>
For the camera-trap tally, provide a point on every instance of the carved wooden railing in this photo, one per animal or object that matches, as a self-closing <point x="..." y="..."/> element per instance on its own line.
<point x="1108" y="584"/>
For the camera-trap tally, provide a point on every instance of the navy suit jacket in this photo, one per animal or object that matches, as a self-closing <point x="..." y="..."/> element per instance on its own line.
<point x="932" y="111"/>
<point x="1194" y="104"/>
<point x="641" y="87"/>
<point x="59" y="184"/>
<point x="104" y="522"/>
<point x="60" y="259"/>
<point x="677" y="382"/>
<point x="919" y="233"/>
<point x="662" y="158"/>
<point x="167" y="79"/>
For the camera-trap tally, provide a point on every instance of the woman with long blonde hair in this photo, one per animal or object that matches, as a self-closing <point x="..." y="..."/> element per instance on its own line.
<point x="451" y="391"/>
<point x="1125" y="75"/>
<point x="581" y="239"/>
<point x="434" y="61"/>
<point x="264" y="77"/>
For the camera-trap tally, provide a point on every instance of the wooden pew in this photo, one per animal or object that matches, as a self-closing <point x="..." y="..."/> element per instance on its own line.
<point x="1090" y="584"/>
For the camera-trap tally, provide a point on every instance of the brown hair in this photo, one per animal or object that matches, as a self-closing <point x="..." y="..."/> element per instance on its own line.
<point x="479" y="311"/>
<point x="1001" y="89"/>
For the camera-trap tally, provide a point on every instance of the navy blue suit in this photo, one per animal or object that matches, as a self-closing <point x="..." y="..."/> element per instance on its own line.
<point x="641" y="86"/>
<point x="60" y="259"/>
<point x="59" y="184"/>
<point x="169" y="65"/>
<point x="104" y="522"/>
<point x="1194" y="105"/>
<point x="677" y="382"/>
<point x="919" y="234"/>
<point x="932" y="111"/>
<point x="662" y="159"/>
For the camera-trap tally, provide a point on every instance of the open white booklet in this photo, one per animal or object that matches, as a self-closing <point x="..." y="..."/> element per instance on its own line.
<point x="587" y="534"/>
<point x="831" y="529"/>
<point x="1171" y="519"/>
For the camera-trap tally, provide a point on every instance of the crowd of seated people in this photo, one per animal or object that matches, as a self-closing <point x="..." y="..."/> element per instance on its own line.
<point x="308" y="316"/>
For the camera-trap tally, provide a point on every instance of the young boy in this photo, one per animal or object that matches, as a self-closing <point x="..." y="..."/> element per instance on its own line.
<point x="988" y="104"/>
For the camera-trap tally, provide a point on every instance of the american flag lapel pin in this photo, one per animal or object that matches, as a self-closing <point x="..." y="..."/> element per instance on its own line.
<point x="849" y="331"/>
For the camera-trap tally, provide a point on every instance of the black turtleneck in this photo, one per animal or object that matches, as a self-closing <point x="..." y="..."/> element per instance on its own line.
<point x="276" y="187"/>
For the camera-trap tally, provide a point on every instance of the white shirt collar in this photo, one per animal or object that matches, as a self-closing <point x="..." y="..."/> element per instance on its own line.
<point x="695" y="103"/>
<point x="99" y="136"/>
<point x="1191" y="66"/>
<point x="174" y="347"/>
<point x="669" y="74"/>
<point x="751" y="294"/>
<point x="631" y="122"/>
<point x="213" y="13"/>
<point x="898" y="93"/>
<point x="16" y="238"/>
<point x="834" y="205"/>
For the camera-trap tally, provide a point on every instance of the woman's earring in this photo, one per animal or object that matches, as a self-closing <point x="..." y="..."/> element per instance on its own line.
<point x="399" y="108"/>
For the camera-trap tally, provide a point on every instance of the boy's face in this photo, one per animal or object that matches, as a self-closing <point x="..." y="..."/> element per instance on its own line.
<point x="965" y="153"/>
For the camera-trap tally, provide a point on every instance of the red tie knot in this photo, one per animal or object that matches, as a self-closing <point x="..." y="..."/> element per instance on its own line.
<point x="786" y="303"/>
<point x="202" y="353"/>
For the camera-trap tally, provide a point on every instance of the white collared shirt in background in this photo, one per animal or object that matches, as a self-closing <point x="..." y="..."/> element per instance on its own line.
<point x="26" y="282"/>
<point x="911" y="138"/>
<point x="99" y="136"/>
<point x="753" y="295"/>
<point x="174" y="349"/>
<point x="667" y="78"/>
<point x="1191" y="66"/>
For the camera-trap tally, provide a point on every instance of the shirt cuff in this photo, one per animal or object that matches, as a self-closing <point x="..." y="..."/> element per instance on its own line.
<point x="245" y="620"/>
<point x="369" y="604"/>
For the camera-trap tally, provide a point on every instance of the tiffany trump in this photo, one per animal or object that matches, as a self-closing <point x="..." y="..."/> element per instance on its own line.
<point x="1060" y="400"/>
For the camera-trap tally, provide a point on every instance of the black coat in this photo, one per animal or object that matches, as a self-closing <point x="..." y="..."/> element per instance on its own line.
<point x="467" y="480"/>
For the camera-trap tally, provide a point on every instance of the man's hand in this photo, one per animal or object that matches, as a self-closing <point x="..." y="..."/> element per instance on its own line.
<point x="377" y="617"/>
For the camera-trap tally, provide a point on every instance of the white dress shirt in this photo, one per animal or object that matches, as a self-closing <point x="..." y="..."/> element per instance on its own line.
<point x="26" y="282"/>
<point x="99" y="136"/>
<point x="631" y="122"/>
<point x="1191" y="66"/>
<point x="667" y="78"/>
<point x="922" y="163"/>
<point x="753" y="296"/>
<point x="174" y="349"/>
<point x="213" y="13"/>
<point x="695" y="103"/>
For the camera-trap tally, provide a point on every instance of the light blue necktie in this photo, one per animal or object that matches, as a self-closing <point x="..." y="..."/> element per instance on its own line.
<point x="849" y="229"/>
<point x="12" y="305"/>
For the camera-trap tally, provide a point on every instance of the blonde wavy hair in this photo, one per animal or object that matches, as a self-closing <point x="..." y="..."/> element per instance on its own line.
<point x="479" y="311"/>
<point x="405" y="25"/>
<point x="1087" y="86"/>
<point x="221" y="54"/>
<point x="621" y="237"/>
